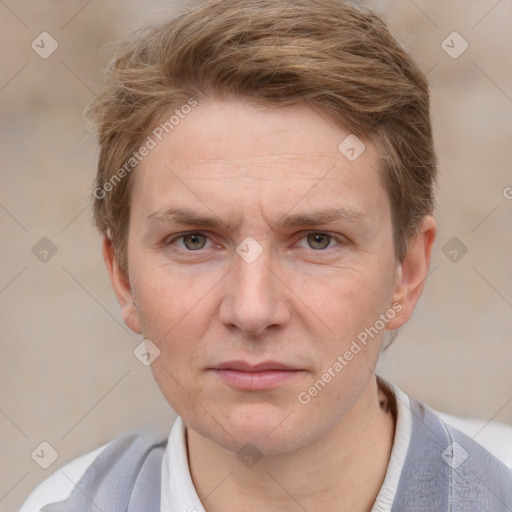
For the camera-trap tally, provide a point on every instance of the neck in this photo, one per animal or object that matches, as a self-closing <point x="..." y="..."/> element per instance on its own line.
<point x="344" y="470"/>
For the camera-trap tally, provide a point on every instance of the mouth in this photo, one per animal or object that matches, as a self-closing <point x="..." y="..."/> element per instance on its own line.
<point x="255" y="377"/>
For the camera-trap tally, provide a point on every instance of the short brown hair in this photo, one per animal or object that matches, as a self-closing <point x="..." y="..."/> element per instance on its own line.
<point x="338" y="58"/>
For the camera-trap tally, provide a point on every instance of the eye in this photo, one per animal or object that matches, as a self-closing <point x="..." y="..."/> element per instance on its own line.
<point x="192" y="241"/>
<point x="320" y="241"/>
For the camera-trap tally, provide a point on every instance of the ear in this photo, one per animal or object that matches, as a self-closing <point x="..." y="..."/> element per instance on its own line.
<point x="412" y="272"/>
<point x="121" y="285"/>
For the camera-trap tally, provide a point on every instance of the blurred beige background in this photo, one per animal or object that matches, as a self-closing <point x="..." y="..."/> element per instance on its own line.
<point x="68" y="373"/>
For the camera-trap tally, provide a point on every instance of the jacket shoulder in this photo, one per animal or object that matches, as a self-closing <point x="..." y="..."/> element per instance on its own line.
<point x="478" y="477"/>
<point x="446" y="470"/>
<point x="58" y="485"/>
<point x="119" y="473"/>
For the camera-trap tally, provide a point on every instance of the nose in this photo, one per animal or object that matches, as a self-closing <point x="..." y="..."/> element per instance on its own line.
<point x="254" y="298"/>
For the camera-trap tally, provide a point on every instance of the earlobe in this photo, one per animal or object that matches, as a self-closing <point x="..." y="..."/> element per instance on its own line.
<point x="122" y="288"/>
<point x="412" y="272"/>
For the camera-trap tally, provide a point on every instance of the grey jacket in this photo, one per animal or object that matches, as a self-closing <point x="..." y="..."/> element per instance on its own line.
<point x="444" y="471"/>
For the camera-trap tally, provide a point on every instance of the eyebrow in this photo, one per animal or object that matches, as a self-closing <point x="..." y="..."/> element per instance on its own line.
<point x="319" y="217"/>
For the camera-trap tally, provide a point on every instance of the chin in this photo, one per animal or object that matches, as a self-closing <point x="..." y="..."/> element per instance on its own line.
<point x="270" y="429"/>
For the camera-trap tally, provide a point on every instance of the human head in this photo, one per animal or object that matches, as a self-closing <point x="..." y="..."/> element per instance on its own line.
<point x="225" y="163"/>
<point x="338" y="58"/>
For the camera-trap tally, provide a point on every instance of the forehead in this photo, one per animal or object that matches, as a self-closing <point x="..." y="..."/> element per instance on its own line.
<point x="233" y="155"/>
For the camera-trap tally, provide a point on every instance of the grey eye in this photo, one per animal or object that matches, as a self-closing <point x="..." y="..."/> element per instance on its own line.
<point x="319" y="240"/>
<point x="194" y="241"/>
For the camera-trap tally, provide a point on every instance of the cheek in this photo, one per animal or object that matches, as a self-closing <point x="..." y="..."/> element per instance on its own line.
<point x="175" y="313"/>
<point x="348" y="300"/>
<point x="349" y="308"/>
<point x="173" y="308"/>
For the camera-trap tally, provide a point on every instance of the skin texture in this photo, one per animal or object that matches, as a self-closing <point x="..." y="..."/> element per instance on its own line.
<point x="302" y="301"/>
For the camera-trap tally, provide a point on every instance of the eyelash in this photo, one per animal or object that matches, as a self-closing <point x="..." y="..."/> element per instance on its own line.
<point x="339" y="240"/>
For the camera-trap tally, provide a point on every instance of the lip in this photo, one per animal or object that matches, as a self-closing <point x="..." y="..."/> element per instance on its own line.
<point x="255" y="377"/>
<point x="243" y="366"/>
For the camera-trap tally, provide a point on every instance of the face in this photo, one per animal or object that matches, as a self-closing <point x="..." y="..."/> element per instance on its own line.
<point x="258" y="255"/>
